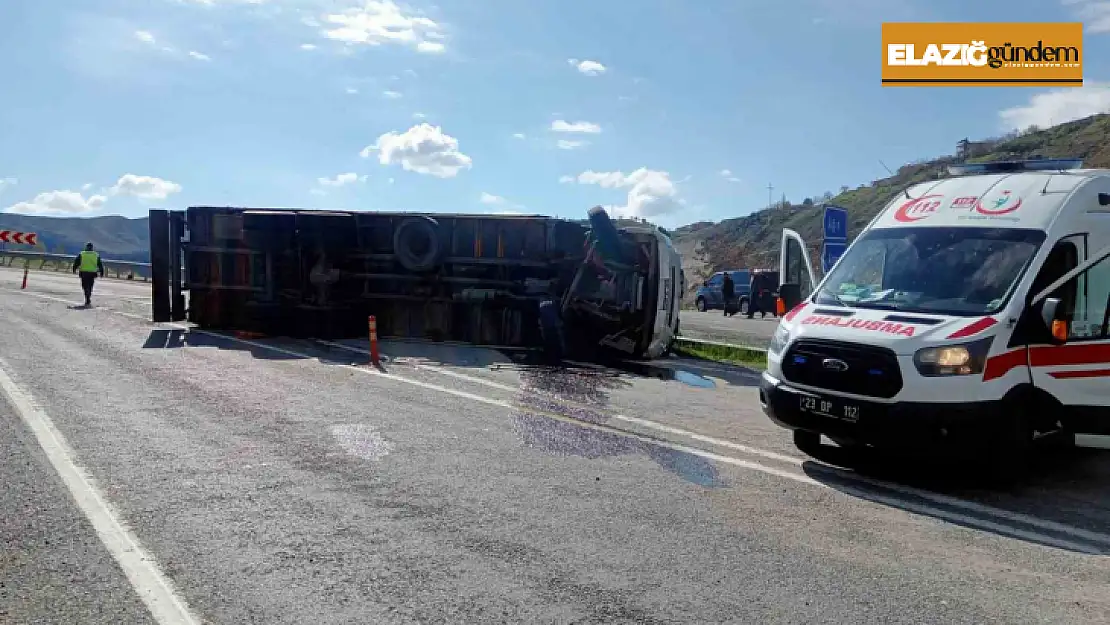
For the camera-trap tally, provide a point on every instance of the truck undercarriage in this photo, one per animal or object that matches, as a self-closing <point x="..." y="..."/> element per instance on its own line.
<point x="568" y="287"/>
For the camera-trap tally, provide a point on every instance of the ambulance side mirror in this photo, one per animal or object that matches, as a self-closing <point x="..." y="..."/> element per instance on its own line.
<point x="1054" y="320"/>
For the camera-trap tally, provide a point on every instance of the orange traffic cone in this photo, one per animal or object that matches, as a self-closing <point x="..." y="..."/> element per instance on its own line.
<point x="780" y="307"/>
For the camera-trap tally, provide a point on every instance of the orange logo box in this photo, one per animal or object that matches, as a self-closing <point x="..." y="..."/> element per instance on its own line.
<point x="966" y="54"/>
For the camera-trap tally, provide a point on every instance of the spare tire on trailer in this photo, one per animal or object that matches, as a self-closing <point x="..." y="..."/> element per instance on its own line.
<point x="416" y="243"/>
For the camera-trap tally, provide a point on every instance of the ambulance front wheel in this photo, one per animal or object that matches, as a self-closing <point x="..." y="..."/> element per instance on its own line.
<point x="1009" y="457"/>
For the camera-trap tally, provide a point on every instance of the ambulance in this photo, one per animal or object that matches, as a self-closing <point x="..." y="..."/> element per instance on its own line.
<point x="969" y="317"/>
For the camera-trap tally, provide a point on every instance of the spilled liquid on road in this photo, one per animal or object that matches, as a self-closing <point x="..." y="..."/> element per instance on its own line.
<point x="549" y="389"/>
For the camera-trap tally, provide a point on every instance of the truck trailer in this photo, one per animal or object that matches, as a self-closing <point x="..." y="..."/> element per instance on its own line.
<point x="566" y="287"/>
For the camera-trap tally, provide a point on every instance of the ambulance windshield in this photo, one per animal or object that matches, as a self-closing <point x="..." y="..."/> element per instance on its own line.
<point x="949" y="271"/>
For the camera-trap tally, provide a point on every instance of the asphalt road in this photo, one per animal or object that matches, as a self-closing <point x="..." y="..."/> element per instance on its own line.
<point x="712" y="325"/>
<point x="278" y="481"/>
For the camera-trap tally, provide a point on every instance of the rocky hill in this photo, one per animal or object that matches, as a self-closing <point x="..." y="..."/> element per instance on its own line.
<point x="753" y="240"/>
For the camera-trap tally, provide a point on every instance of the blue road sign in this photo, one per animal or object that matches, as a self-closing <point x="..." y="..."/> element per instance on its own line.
<point x="830" y="253"/>
<point x="836" y="223"/>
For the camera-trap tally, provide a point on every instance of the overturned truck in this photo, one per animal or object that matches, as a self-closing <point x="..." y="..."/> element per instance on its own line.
<point x="578" y="289"/>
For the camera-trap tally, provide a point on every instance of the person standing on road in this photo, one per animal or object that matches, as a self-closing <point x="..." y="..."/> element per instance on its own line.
<point x="88" y="264"/>
<point x="755" y="297"/>
<point x="728" y="291"/>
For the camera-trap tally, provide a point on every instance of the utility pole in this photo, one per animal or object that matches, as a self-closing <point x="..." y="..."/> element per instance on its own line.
<point x="770" y="198"/>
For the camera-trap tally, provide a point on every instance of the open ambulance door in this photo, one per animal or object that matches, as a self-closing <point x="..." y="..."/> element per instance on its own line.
<point x="1069" y="355"/>
<point x="796" y="277"/>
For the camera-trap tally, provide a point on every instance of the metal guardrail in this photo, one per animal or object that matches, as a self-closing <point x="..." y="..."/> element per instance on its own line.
<point x="123" y="269"/>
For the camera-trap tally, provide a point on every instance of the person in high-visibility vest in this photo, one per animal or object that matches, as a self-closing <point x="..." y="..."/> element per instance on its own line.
<point x="88" y="264"/>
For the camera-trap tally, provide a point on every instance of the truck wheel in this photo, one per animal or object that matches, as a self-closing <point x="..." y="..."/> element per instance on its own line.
<point x="416" y="243"/>
<point x="701" y="304"/>
<point x="551" y="329"/>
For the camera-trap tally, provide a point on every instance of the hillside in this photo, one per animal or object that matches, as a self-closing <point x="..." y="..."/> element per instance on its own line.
<point x="753" y="240"/>
<point x="116" y="237"/>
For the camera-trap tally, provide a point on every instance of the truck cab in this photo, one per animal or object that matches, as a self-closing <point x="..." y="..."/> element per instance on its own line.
<point x="624" y="298"/>
<point x="970" y="316"/>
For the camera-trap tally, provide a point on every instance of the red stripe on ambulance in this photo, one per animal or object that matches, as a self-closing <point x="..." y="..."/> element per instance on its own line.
<point x="1050" y="356"/>
<point x="973" y="328"/>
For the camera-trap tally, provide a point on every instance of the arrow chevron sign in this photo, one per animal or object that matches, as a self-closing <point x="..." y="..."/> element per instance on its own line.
<point x="21" y="238"/>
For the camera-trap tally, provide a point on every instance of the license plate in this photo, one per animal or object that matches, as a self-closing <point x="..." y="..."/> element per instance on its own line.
<point x="826" y="407"/>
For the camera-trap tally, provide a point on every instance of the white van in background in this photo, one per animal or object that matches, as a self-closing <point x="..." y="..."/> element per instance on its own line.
<point x="970" y="315"/>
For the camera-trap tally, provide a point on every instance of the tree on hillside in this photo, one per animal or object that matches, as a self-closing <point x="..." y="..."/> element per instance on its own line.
<point x="807" y="202"/>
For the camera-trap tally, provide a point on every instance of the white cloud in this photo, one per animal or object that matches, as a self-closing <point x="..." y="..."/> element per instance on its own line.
<point x="424" y="149"/>
<point x="560" y="125"/>
<point x="1095" y="14"/>
<point x="86" y="186"/>
<point x="650" y="193"/>
<point x="392" y="95"/>
<point x="7" y="182"/>
<point x="565" y="144"/>
<point x="199" y="56"/>
<point x="381" y="21"/>
<point x="727" y="175"/>
<point x="308" y="46"/>
<point x="430" y="47"/>
<point x="58" y="203"/>
<point x="519" y="135"/>
<point x="145" y="36"/>
<point x="341" y="180"/>
<point x="506" y="207"/>
<point x="589" y="68"/>
<point x="144" y="187"/>
<point x="418" y="115"/>
<point x="1058" y="106"/>
<point x="351" y="91"/>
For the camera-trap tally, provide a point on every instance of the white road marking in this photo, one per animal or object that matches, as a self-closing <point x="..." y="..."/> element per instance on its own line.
<point x="941" y="513"/>
<point x="148" y="580"/>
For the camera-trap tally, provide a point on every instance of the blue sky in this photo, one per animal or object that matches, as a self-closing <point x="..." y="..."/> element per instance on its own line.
<point x="116" y="106"/>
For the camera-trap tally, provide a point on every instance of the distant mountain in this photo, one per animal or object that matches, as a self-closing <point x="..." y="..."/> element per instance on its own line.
<point x="118" y="238"/>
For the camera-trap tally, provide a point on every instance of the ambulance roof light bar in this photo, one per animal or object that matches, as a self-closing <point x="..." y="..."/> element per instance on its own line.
<point x="999" y="167"/>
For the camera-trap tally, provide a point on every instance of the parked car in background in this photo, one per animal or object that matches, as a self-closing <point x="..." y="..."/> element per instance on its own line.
<point x="710" y="296"/>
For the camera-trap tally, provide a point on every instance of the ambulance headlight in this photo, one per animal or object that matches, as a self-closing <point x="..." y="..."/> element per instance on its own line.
<point x="946" y="360"/>
<point x="779" y="339"/>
